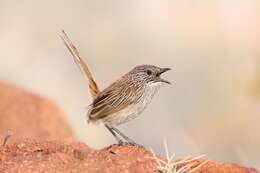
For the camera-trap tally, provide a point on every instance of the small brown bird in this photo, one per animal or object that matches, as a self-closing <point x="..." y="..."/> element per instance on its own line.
<point x="126" y="98"/>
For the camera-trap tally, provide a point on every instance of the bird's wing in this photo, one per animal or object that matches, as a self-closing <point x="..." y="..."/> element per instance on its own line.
<point x="113" y="99"/>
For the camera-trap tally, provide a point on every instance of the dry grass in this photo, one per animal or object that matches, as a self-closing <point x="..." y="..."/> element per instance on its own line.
<point x="8" y="135"/>
<point x="168" y="165"/>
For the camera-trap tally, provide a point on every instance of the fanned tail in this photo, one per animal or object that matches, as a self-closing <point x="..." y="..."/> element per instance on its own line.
<point x="93" y="88"/>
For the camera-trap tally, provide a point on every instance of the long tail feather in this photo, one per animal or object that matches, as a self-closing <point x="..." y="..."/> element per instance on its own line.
<point x="93" y="88"/>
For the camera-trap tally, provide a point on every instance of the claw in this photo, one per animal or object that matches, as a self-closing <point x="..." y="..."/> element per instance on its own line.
<point x="122" y="143"/>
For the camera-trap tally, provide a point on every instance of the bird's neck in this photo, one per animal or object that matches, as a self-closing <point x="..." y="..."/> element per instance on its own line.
<point x="151" y="90"/>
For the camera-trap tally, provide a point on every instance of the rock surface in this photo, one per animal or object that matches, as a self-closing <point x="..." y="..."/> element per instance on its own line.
<point x="28" y="115"/>
<point x="37" y="156"/>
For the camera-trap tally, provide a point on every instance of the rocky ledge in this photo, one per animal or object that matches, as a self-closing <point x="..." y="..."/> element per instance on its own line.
<point x="40" y="156"/>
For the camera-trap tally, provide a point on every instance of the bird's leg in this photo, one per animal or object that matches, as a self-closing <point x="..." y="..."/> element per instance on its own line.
<point x="119" y="141"/>
<point x="129" y="141"/>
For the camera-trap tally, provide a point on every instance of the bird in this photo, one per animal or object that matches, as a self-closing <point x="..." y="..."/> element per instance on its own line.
<point x="125" y="99"/>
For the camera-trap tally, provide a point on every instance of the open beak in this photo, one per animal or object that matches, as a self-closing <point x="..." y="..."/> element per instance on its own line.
<point x="161" y="72"/>
<point x="164" y="70"/>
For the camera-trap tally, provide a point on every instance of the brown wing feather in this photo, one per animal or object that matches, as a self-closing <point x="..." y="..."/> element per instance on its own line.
<point x="113" y="99"/>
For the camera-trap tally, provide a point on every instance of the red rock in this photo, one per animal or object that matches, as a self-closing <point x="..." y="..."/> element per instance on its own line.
<point x="29" y="115"/>
<point x="36" y="156"/>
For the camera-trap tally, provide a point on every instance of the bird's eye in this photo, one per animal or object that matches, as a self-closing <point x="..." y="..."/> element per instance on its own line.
<point x="149" y="72"/>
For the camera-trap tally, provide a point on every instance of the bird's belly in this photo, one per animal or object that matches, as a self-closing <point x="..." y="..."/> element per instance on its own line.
<point x="125" y="115"/>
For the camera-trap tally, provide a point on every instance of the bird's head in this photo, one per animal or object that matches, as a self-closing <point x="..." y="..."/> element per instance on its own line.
<point x="149" y="73"/>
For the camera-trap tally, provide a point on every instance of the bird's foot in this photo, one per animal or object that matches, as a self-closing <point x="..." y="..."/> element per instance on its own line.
<point x="122" y="143"/>
<point x="129" y="143"/>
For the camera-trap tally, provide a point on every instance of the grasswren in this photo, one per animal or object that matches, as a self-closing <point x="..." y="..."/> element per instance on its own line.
<point x="126" y="98"/>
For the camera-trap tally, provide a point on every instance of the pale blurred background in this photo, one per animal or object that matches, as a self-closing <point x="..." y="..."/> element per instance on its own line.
<point x="213" y="105"/>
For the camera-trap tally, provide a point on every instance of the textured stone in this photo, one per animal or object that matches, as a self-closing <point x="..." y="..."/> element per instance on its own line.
<point x="35" y="156"/>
